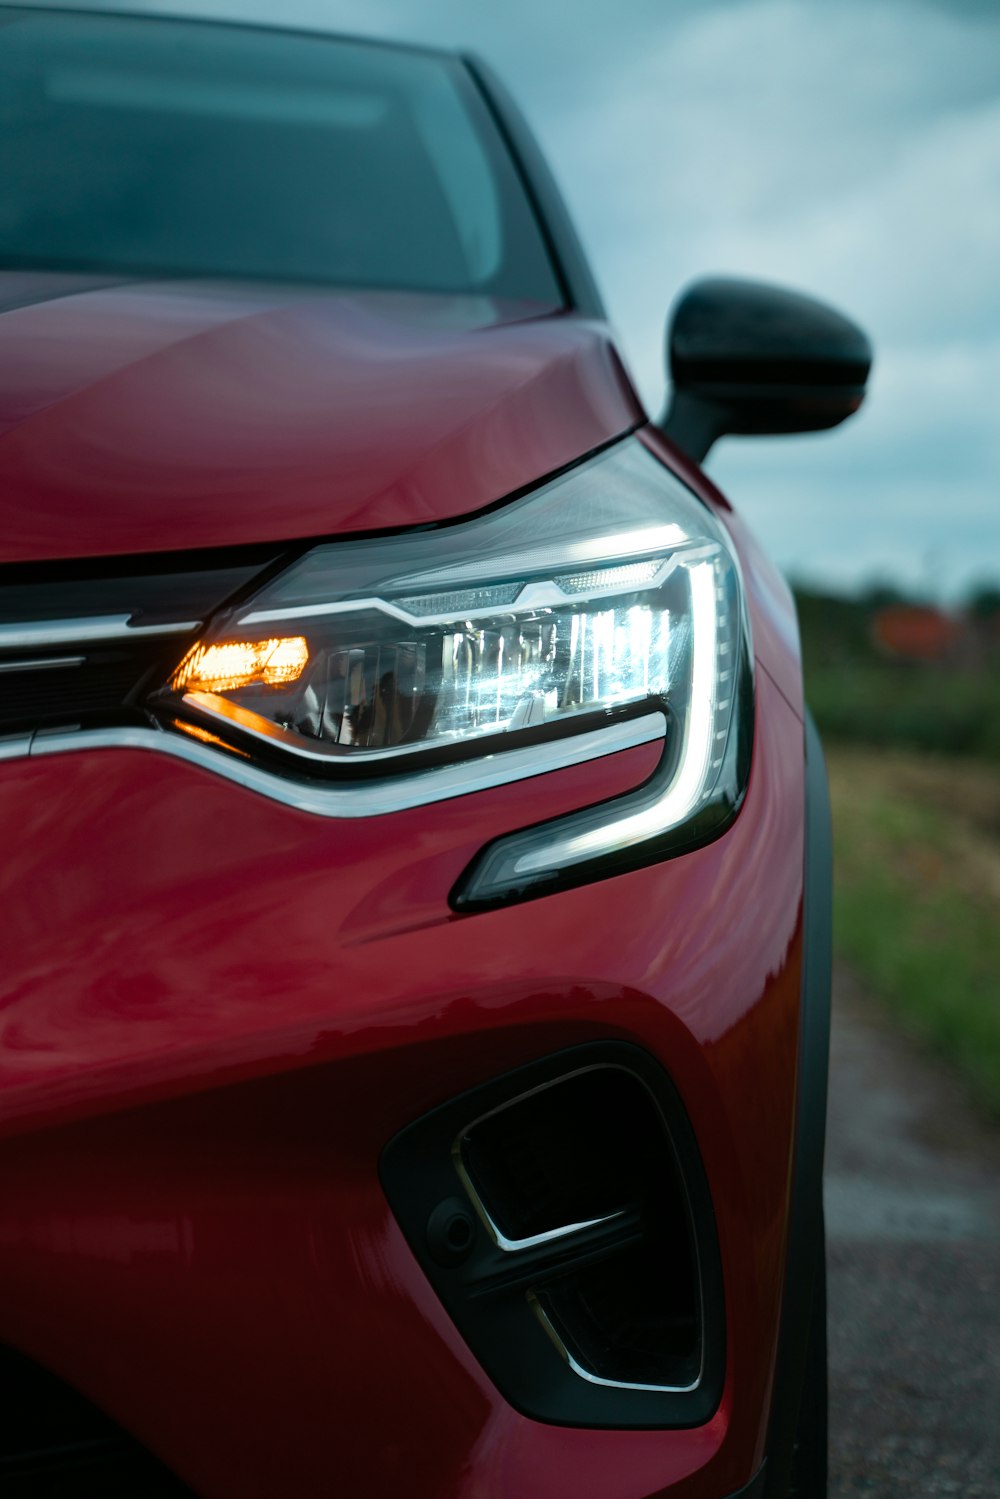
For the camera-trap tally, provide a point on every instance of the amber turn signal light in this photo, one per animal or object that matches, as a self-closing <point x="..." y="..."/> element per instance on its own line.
<point x="229" y="664"/>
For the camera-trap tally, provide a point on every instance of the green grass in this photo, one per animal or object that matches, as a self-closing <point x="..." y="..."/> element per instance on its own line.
<point x="917" y="897"/>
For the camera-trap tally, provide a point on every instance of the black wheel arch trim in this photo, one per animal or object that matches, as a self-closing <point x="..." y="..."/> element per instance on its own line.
<point x="805" y="1245"/>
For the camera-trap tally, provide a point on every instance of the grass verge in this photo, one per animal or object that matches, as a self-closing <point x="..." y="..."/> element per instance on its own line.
<point x="917" y="896"/>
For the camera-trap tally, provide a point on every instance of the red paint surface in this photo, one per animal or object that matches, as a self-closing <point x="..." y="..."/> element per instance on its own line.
<point x="219" y="1267"/>
<point x="144" y="417"/>
<point x="214" y="1011"/>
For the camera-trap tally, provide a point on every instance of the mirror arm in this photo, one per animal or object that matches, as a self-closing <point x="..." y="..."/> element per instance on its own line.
<point x="693" y="423"/>
<point x="756" y="360"/>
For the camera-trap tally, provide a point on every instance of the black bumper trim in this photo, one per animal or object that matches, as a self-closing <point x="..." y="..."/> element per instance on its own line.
<point x="805" y="1224"/>
<point x="754" y="1489"/>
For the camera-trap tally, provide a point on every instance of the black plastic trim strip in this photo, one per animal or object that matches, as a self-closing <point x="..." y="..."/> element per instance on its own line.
<point x="755" y="1489"/>
<point x="805" y="1245"/>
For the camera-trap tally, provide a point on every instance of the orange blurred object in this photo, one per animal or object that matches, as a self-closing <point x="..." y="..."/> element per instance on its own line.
<point x="916" y="632"/>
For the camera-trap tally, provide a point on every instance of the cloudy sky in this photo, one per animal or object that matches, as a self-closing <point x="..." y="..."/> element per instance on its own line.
<point x="850" y="148"/>
<point x="847" y="147"/>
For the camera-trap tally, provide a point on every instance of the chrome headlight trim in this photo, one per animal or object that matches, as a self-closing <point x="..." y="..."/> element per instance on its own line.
<point x="356" y="799"/>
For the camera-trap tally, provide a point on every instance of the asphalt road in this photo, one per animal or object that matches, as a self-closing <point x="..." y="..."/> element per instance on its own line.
<point x="913" y="1226"/>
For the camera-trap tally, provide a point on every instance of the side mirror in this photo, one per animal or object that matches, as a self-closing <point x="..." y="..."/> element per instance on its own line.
<point x="750" y="358"/>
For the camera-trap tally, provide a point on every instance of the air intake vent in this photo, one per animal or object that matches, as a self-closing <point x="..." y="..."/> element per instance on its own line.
<point x="581" y="1148"/>
<point x="631" y="1321"/>
<point x="563" y="1216"/>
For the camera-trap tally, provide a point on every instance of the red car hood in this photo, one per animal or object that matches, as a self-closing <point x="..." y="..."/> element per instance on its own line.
<point x="140" y="417"/>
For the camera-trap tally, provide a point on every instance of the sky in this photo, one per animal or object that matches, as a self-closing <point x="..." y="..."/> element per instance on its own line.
<point x="847" y="148"/>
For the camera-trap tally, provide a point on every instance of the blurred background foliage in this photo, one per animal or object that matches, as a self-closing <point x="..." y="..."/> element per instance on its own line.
<point x="905" y="696"/>
<point x="885" y="669"/>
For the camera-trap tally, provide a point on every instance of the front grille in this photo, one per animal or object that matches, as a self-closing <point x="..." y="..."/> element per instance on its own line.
<point x="563" y="1216"/>
<point x="54" y="1444"/>
<point x="79" y="644"/>
<point x="83" y="684"/>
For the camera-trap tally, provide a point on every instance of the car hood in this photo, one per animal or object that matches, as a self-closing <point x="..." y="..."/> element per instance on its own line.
<point x="144" y="417"/>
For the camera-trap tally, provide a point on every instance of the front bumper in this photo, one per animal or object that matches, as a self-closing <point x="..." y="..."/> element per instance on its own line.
<point x="206" y="1042"/>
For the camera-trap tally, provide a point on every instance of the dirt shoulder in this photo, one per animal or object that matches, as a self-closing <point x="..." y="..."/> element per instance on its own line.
<point x="913" y="1222"/>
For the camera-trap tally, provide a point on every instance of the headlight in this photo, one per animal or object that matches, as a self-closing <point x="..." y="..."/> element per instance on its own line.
<point x="607" y="596"/>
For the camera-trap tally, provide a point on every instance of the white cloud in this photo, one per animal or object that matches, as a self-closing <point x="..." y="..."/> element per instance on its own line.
<point x="853" y="150"/>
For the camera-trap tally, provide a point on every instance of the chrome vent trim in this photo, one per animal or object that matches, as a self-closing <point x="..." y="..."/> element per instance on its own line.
<point x="590" y="1377"/>
<point x="569" y="1232"/>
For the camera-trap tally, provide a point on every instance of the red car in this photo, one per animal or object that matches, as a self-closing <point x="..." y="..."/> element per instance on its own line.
<point x="414" y="996"/>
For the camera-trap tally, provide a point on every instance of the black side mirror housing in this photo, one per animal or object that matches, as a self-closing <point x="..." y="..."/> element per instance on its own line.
<point x="750" y="358"/>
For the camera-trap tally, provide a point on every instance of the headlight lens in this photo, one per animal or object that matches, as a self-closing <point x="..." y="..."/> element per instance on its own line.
<point x="608" y="592"/>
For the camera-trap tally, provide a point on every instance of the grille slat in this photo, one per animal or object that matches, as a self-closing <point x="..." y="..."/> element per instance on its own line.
<point x="149" y="614"/>
<point x="43" y="696"/>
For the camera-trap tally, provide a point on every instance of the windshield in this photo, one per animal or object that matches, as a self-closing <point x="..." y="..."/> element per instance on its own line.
<point x="155" y="147"/>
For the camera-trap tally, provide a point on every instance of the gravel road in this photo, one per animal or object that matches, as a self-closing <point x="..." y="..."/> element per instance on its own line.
<point x="913" y="1224"/>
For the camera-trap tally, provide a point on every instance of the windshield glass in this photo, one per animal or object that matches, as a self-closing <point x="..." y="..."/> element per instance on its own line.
<point x="154" y="147"/>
